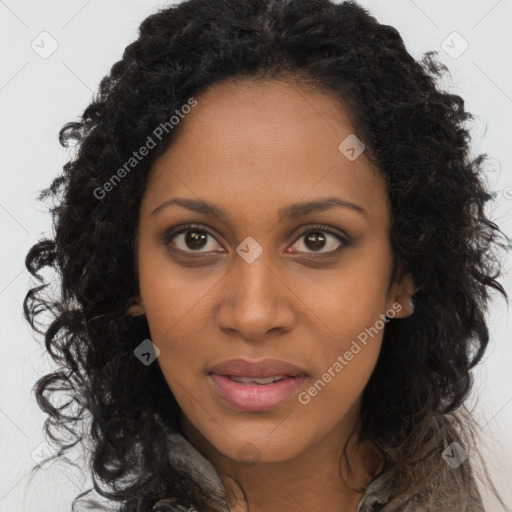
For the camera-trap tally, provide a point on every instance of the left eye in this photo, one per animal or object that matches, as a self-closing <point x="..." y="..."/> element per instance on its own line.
<point x="195" y="238"/>
<point x="316" y="239"/>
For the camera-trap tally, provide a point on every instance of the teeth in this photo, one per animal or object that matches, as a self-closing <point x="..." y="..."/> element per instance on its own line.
<point x="258" y="380"/>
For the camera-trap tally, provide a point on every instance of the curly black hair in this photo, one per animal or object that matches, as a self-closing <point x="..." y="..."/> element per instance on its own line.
<point x="414" y="132"/>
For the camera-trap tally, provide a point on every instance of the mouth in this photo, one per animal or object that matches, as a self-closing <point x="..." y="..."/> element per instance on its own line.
<point x="256" y="386"/>
<point x="261" y="381"/>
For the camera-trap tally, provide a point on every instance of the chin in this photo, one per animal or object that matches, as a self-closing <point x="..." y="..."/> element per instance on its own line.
<point x="259" y="446"/>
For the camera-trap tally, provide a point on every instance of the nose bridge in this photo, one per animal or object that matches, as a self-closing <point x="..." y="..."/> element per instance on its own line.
<point x="254" y="279"/>
<point x="254" y="300"/>
<point x="254" y="285"/>
<point x="251" y="268"/>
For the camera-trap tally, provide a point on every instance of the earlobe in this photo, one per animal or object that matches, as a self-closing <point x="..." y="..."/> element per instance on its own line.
<point x="136" y="307"/>
<point x="404" y="292"/>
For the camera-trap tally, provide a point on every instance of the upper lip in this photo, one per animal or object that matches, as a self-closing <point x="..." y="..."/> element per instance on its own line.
<point x="262" y="368"/>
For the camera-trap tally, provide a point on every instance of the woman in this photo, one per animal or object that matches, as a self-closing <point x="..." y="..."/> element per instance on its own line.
<point x="275" y="265"/>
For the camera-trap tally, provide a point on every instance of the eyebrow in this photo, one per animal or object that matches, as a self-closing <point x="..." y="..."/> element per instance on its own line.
<point x="291" y="211"/>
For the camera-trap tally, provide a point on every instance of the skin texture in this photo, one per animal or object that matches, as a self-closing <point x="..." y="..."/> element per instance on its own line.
<point x="253" y="148"/>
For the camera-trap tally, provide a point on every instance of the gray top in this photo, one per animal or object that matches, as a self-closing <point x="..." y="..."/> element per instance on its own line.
<point x="444" y="496"/>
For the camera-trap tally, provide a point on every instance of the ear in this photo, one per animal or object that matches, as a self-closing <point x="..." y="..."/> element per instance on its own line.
<point x="136" y="307"/>
<point x="401" y="293"/>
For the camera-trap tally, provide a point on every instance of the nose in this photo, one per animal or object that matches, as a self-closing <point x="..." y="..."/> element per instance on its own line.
<point x="256" y="300"/>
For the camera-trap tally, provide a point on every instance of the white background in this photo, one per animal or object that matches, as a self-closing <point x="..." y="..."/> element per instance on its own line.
<point x="38" y="96"/>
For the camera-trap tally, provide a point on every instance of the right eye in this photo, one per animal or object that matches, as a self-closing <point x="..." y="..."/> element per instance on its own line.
<point x="190" y="238"/>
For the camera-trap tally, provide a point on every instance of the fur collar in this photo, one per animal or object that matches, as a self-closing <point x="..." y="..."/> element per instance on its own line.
<point x="444" y="496"/>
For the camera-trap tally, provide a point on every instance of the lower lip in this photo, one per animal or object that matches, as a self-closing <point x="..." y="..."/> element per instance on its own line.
<point x="255" y="397"/>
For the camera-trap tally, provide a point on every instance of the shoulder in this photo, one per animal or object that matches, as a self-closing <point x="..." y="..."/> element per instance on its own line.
<point x="446" y="493"/>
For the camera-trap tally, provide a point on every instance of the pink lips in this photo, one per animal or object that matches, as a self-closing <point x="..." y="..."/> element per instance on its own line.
<point x="253" y="396"/>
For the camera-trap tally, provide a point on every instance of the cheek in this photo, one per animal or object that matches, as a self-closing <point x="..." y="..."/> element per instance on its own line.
<point x="343" y="362"/>
<point x="351" y="297"/>
<point x="328" y="398"/>
<point x="176" y="321"/>
<point x="348" y="314"/>
<point x="171" y="294"/>
<point x="174" y="305"/>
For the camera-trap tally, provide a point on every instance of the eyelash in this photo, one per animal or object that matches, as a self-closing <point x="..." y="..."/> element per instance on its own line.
<point x="345" y="241"/>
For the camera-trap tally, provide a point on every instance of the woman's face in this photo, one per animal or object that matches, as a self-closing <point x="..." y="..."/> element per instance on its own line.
<point x="264" y="280"/>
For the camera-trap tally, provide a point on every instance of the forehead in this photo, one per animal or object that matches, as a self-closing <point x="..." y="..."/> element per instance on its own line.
<point x="264" y="144"/>
<point x="267" y="115"/>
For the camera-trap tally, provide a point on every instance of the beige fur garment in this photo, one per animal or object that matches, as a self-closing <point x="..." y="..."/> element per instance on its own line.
<point x="442" y="497"/>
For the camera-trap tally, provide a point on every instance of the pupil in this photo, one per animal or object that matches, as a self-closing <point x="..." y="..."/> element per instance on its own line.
<point x="195" y="239"/>
<point x="317" y="240"/>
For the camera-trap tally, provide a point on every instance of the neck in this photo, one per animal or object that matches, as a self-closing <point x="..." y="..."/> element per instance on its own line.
<point x="316" y="479"/>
